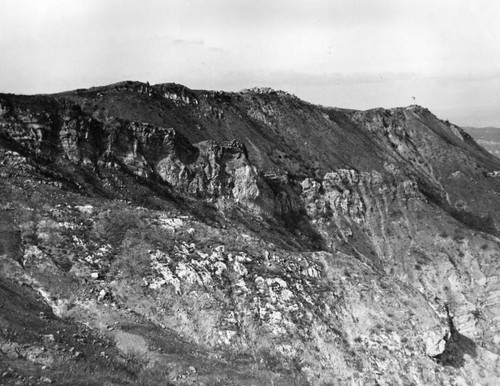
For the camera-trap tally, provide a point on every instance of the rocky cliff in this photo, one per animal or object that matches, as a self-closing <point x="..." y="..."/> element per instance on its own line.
<point x="157" y="234"/>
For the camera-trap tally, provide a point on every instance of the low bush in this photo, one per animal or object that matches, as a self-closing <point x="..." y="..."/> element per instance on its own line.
<point x="484" y="224"/>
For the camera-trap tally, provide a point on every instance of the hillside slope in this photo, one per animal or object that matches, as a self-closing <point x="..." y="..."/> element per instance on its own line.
<point x="155" y="234"/>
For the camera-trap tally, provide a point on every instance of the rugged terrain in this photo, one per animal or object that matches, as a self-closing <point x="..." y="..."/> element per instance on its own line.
<point x="162" y="235"/>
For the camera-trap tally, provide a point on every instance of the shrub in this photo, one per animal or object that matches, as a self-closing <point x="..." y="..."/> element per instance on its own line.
<point x="114" y="223"/>
<point x="132" y="261"/>
<point x="484" y="224"/>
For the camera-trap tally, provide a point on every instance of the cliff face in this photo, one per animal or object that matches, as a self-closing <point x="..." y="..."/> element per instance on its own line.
<point x="199" y="237"/>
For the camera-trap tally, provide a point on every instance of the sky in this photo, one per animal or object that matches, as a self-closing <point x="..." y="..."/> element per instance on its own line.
<point x="441" y="54"/>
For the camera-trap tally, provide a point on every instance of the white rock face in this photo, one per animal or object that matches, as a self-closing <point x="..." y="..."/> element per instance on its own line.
<point x="245" y="184"/>
<point x="87" y="209"/>
<point x="434" y="343"/>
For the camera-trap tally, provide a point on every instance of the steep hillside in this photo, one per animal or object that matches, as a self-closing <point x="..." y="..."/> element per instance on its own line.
<point x="157" y="234"/>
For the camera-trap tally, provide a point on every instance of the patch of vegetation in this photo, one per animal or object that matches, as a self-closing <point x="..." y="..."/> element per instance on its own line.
<point x="484" y="224"/>
<point x="132" y="261"/>
<point x="116" y="222"/>
<point x="135" y="362"/>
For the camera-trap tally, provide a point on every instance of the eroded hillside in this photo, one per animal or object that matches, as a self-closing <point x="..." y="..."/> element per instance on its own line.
<point x="157" y="234"/>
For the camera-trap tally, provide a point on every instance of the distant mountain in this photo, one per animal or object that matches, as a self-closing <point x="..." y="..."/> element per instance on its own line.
<point x="158" y="235"/>
<point x="488" y="137"/>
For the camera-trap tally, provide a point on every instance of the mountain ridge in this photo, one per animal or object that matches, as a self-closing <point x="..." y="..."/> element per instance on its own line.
<point x="252" y="226"/>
